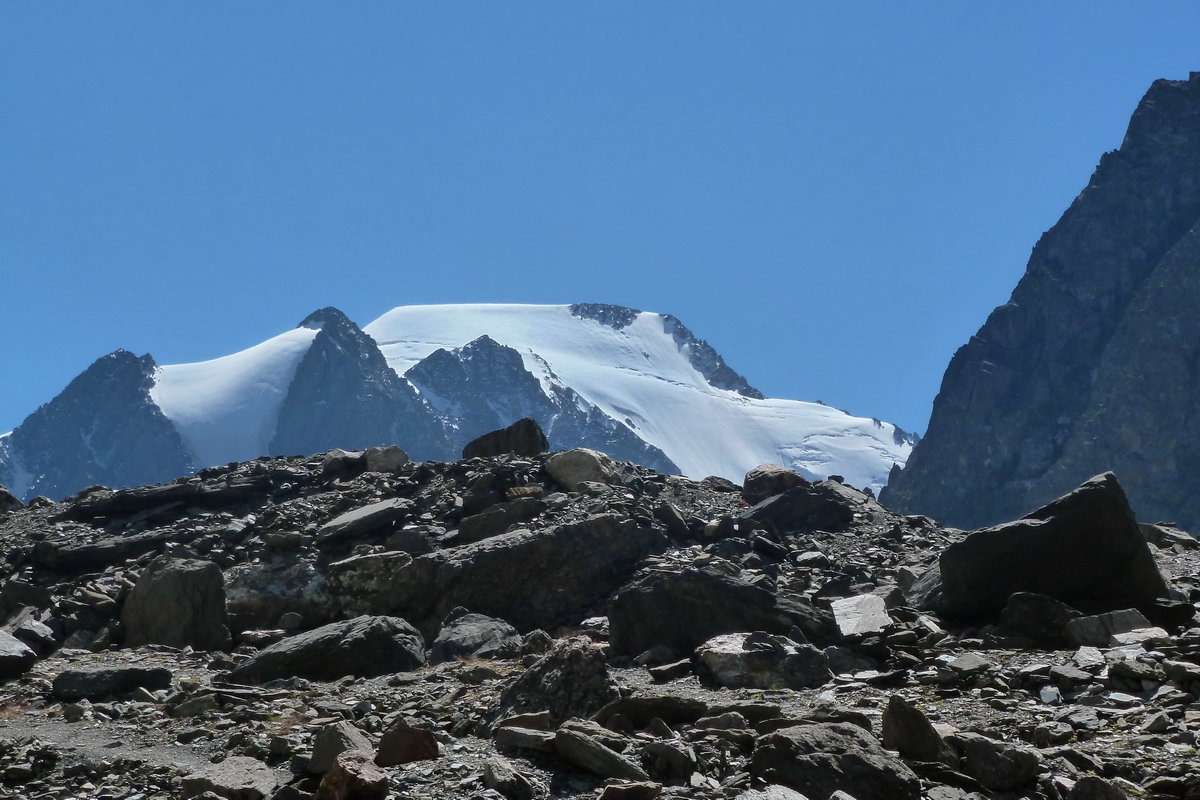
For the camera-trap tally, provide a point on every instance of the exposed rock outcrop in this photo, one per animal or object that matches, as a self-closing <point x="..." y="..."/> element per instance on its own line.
<point x="1091" y="365"/>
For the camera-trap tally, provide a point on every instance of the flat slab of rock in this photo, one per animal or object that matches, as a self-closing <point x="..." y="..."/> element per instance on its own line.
<point x="1097" y="630"/>
<point x="363" y="646"/>
<point x="590" y="755"/>
<point x="235" y="778"/>
<point x="100" y="682"/>
<point x="364" y="521"/>
<point x="860" y="614"/>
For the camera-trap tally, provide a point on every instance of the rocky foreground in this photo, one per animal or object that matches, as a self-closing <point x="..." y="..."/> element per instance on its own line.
<point x="525" y="625"/>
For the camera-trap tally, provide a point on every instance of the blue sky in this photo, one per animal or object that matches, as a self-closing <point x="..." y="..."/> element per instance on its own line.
<point x="835" y="196"/>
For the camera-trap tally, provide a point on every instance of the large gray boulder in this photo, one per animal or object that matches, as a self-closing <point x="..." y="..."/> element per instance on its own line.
<point x="178" y="602"/>
<point x="523" y="438"/>
<point x="581" y="465"/>
<point x="805" y="508"/>
<point x="15" y="656"/>
<point x="763" y="661"/>
<point x="819" y="760"/>
<point x="1084" y="549"/>
<point x="467" y="635"/>
<point x="909" y="732"/>
<point x="363" y="646"/>
<point x="768" y="480"/>
<point x="532" y="579"/>
<point x="682" y="610"/>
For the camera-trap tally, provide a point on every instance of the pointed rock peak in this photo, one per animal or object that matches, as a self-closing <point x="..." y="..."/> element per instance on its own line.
<point x="484" y="342"/>
<point x="122" y="361"/>
<point x="328" y="317"/>
<point x="616" y="317"/>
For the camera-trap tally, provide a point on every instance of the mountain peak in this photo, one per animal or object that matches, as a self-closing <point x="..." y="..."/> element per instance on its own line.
<point x="326" y="317"/>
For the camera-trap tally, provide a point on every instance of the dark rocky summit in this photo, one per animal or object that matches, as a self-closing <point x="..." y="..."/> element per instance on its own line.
<point x="1091" y="365"/>
<point x="344" y="394"/>
<point x="103" y="427"/>
<point x="398" y="629"/>
<point x="484" y="385"/>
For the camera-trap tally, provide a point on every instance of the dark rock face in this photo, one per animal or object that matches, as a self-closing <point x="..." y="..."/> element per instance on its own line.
<point x="1092" y="529"/>
<point x="685" y="609"/>
<point x="484" y="385"/>
<point x="103" y="428"/>
<point x="703" y="357"/>
<point x="178" y="602"/>
<point x="363" y="646"/>
<point x="345" y="395"/>
<point x="1091" y="365"/>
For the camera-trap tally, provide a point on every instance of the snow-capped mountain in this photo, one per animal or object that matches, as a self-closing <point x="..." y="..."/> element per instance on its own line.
<point x="636" y="384"/>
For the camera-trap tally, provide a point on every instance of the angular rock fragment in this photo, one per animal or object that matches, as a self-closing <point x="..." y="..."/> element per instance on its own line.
<point x="768" y="480"/>
<point x="1084" y="549"/>
<point x="1096" y="630"/>
<point x="363" y="646"/>
<point x="906" y="730"/>
<point x="333" y="740"/>
<point x="860" y="614"/>
<point x="589" y="754"/>
<point x="404" y="742"/>
<point x="997" y="765"/>
<point x="531" y="579"/>
<point x="353" y="777"/>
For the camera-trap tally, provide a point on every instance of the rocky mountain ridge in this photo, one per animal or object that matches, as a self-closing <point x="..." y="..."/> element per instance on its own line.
<point x="523" y="624"/>
<point x="1091" y="365"/>
<point x="430" y="379"/>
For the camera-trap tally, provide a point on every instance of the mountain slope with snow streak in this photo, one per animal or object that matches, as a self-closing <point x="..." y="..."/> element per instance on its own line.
<point x="645" y="370"/>
<point x="225" y="409"/>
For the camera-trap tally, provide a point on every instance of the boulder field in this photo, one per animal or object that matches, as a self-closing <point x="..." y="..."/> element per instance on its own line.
<point x="357" y="625"/>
